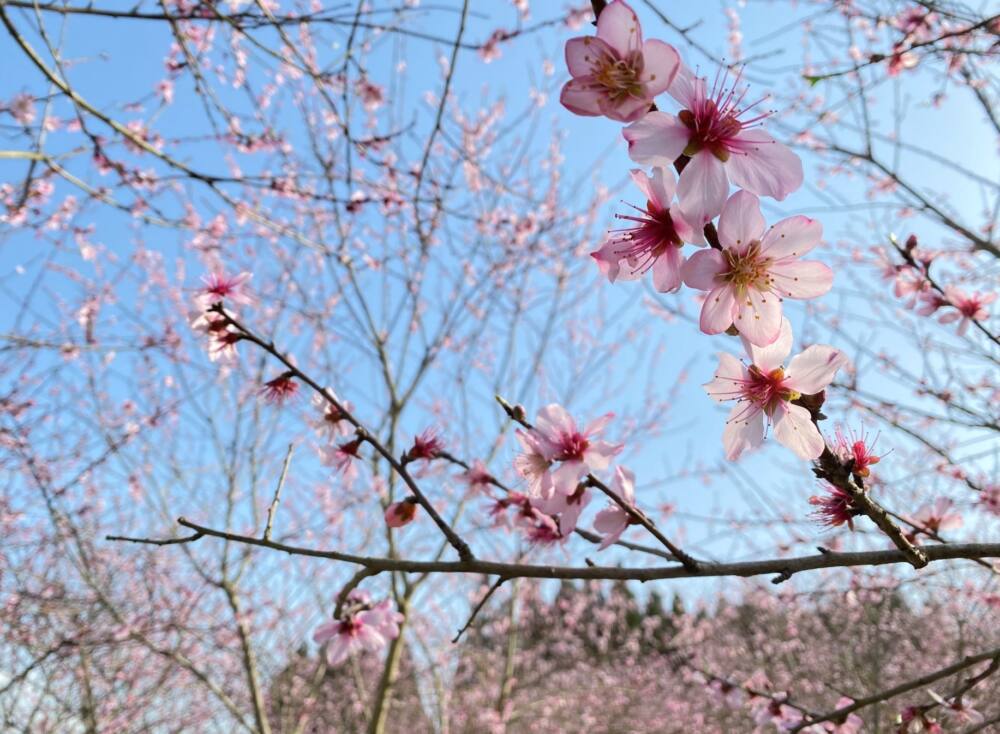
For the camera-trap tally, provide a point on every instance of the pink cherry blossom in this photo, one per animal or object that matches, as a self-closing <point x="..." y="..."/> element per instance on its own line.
<point x="967" y="308"/>
<point x="425" y="446"/>
<point x="765" y="390"/>
<point x="856" y="449"/>
<point x="402" y="513"/>
<point x="342" y="456"/>
<point x="654" y="241"/>
<point x="219" y="287"/>
<point x="724" y="144"/>
<point x="331" y="423"/>
<point x="958" y="712"/>
<point x="567" y="507"/>
<point x="280" y="390"/>
<point x="834" y="508"/>
<point x="938" y="516"/>
<point x="613" y="521"/>
<point x="773" y="712"/>
<point x="755" y="269"/>
<point x="852" y="724"/>
<point x="477" y="477"/>
<point x="362" y="626"/>
<point x="614" y="73"/>
<point x="555" y="438"/>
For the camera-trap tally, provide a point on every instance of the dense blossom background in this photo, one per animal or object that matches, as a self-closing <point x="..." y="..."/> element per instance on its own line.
<point x="391" y="196"/>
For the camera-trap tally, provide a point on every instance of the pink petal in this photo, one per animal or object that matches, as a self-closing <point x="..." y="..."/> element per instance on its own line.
<point x="581" y="53"/>
<point x="741" y="221"/>
<point x="794" y="429"/>
<point x="792" y="237"/>
<point x="772" y="356"/>
<point x="758" y="318"/>
<point x="656" y="139"/>
<point x="553" y="419"/>
<point x="729" y="379"/>
<point x="580" y="99"/>
<point x="744" y="430"/>
<point x="607" y="259"/>
<point x="619" y="27"/>
<point x="337" y="651"/>
<point x="624" y="484"/>
<point x="326" y="631"/>
<point x="717" y="313"/>
<point x="685" y="87"/>
<point x="685" y="231"/>
<point x="645" y="185"/>
<point x="702" y="188"/>
<point x="569" y="517"/>
<point x="661" y="63"/>
<point x="598" y="424"/>
<point x="814" y="368"/>
<point x="702" y="268"/>
<point x="663" y="186"/>
<point x="610" y="523"/>
<point x="801" y="279"/>
<point x="567" y="476"/>
<point x="598" y="456"/>
<point x="763" y="166"/>
<point x="628" y="109"/>
<point x="667" y="270"/>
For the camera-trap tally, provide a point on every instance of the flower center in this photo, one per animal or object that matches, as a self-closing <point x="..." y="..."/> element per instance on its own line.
<point x="714" y="117"/>
<point x="618" y="77"/>
<point x="747" y="270"/>
<point x="572" y="446"/>
<point x="767" y="390"/>
<point x="653" y="233"/>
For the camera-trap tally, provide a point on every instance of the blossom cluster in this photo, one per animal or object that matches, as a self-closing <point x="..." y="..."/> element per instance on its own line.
<point x="714" y="141"/>
<point x="912" y="283"/>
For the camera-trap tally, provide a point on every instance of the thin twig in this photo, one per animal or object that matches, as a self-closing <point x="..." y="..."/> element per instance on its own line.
<point x="479" y="606"/>
<point x="277" y="493"/>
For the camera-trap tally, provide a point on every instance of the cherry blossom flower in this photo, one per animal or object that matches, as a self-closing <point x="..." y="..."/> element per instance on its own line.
<point x="556" y="438"/>
<point x="765" y="390"/>
<point x="331" y="422"/>
<point x="614" y="73"/>
<point x="567" y="507"/>
<point x="835" y="508"/>
<point x="957" y="712"/>
<point x="613" y="521"/>
<point x="967" y="308"/>
<point x="755" y="269"/>
<point x="724" y="144"/>
<point x="913" y="720"/>
<point x="990" y="499"/>
<point x="654" y="242"/>
<point x="477" y="477"/>
<point x="938" y="516"/>
<point x="362" y="626"/>
<point x="222" y="338"/>
<point x="773" y="712"/>
<point x="854" y="448"/>
<point x="852" y="724"/>
<point x="402" y="513"/>
<point x="425" y="446"/>
<point x="341" y="456"/>
<point x="219" y="287"/>
<point x="280" y="390"/>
